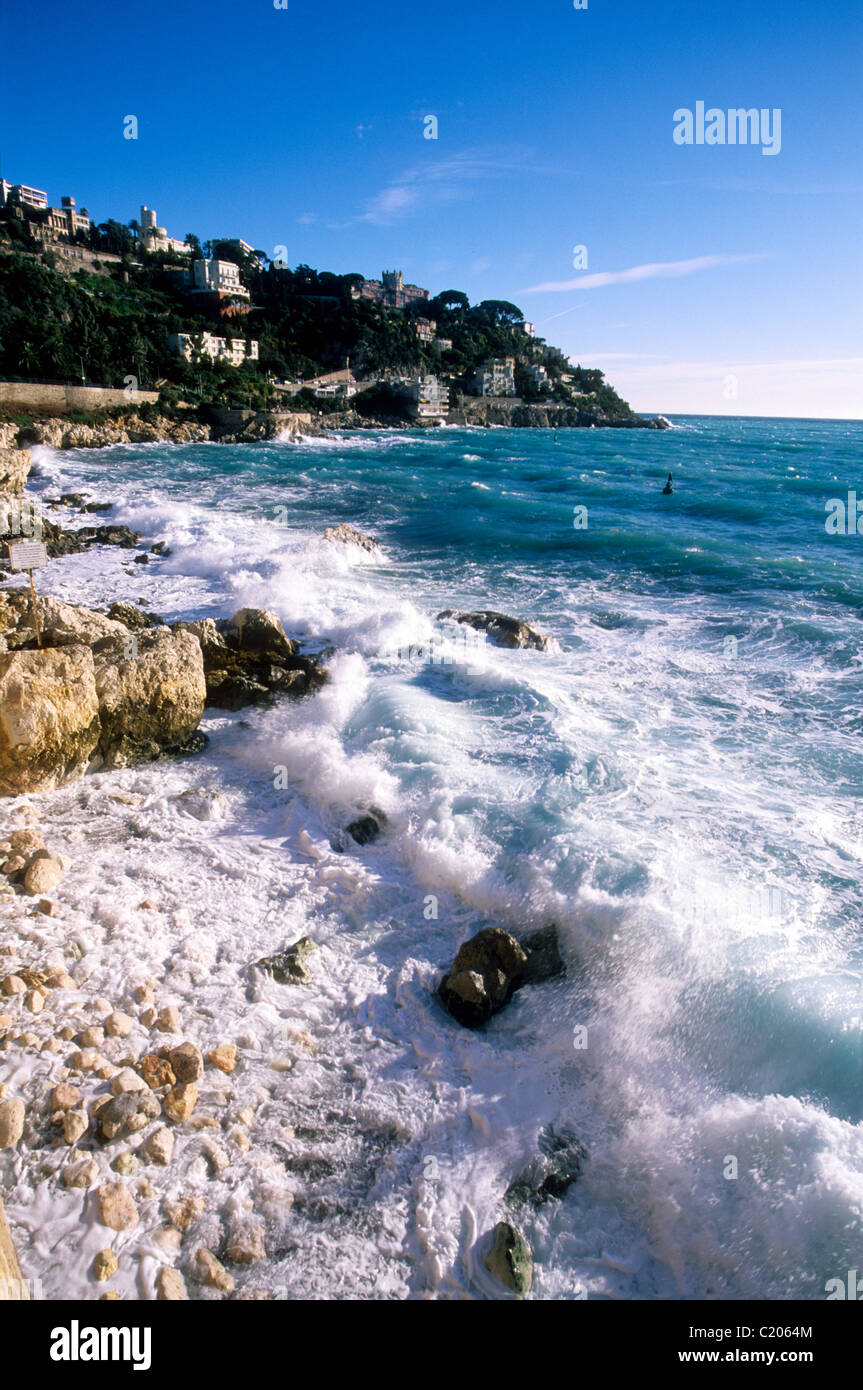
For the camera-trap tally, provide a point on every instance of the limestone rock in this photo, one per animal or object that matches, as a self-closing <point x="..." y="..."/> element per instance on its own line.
<point x="551" y="1173"/>
<point x="49" y="718"/>
<point x="510" y="1260"/>
<point x="159" y="1148"/>
<point x="14" y="470"/>
<point x="503" y="631"/>
<point x="115" y="1207"/>
<point x="64" y="1097"/>
<point x="181" y="1101"/>
<point x="182" y="1212"/>
<point x="82" y="1174"/>
<point x="168" y="1019"/>
<point x="75" y="1126"/>
<point x="127" y="1080"/>
<point x="12" y="1114"/>
<point x="118" y="1025"/>
<point x="150" y="703"/>
<point x="349" y="535"/>
<point x="105" y="1265"/>
<point x="223" y="1057"/>
<point x="211" y="1271"/>
<point x="170" y="1287"/>
<point x="246" y="1242"/>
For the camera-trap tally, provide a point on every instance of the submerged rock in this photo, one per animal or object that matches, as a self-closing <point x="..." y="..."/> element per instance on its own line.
<point x="510" y="1260"/>
<point x="490" y="967"/>
<point x="551" y="1173"/>
<point x="365" y="829"/>
<point x="504" y="631"/>
<point x="289" y="966"/>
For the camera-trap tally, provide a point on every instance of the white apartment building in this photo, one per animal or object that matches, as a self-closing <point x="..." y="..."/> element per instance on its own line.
<point x="22" y="193"/>
<point x="538" y="375"/>
<point x="496" y="377"/>
<point x="428" y="399"/>
<point x="218" y="277"/>
<point x="232" y="350"/>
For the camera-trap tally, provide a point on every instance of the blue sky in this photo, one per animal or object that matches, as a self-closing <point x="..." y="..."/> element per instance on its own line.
<point x="304" y="127"/>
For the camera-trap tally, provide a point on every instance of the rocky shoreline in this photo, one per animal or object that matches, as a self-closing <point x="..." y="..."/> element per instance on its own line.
<point x="107" y="1090"/>
<point x="249" y="426"/>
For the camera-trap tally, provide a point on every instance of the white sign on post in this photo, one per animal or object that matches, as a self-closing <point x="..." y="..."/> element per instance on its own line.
<point x="27" y="555"/>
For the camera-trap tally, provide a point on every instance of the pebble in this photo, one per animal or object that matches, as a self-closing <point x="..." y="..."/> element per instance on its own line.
<point x="64" y="1098"/>
<point x="82" y="1174"/>
<point x="116" y="1207"/>
<point x="91" y="1037"/>
<point x="127" y="1080"/>
<point x="168" y="1019"/>
<point x="181" y="1101"/>
<point x="105" y="1265"/>
<point x="223" y="1057"/>
<point x="75" y="1124"/>
<point x="169" y="1286"/>
<point x="211" y="1271"/>
<point x="118" y="1025"/>
<point x="159" y="1148"/>
<point x="187" y="1062"/>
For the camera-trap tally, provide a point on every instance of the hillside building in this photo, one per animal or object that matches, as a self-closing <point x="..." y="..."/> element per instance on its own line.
<point x="235" y="351"/>
<point x="390" y="290"/>
<point x="496" y="377"/>
<point x="153" y="238"/>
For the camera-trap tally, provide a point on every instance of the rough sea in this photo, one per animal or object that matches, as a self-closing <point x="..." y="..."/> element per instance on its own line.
<point x="676" y="784"/>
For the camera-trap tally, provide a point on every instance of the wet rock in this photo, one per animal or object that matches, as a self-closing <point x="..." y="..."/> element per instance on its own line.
<point x="211" y="1271"/>
<point x="12" y="1115"/>
<point x="181" y="1101"/>
<point x="484" y="974"/>
<point x="365" y="829"/>
<point x="63" y="1097"/>
<point x="82" y="1174"/>
<point x="132" y="617"/>
<point x="105" y="1265"/>
<point x="349" y="535"/>
<point x="551" y="1174"/>
<point x="127" y="1113"/>
<point x="187" y="1062"/>
<point x="170" y="1287"/>
<point x="126" y="1080"/>
<point x="159" y="1148"/>
<point x="510" y="1260"/>
<point x="49" y="718"/>
<point x="43" y="874"/>
<point x="503" y="631"/>
<point x="490" y="967"/>
<point x="168" y="1019"/>
<point x="115" y="1207"/>
<point x="249" y="659"/>
<point x="223" y="1057"/>
<point x="156" y="1071"/>
<point x="246" y="1242"/>
<point x="290" y="967"/>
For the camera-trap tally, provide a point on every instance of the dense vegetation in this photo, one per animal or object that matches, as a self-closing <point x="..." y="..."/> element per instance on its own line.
<point x="105" y="323"/>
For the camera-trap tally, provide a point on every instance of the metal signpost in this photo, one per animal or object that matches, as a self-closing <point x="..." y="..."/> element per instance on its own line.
<point x="29" y="556"/>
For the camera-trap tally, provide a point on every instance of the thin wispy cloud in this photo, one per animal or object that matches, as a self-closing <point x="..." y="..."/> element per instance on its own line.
<point x="439" y="181"/>
<point x="655" y="270"/>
